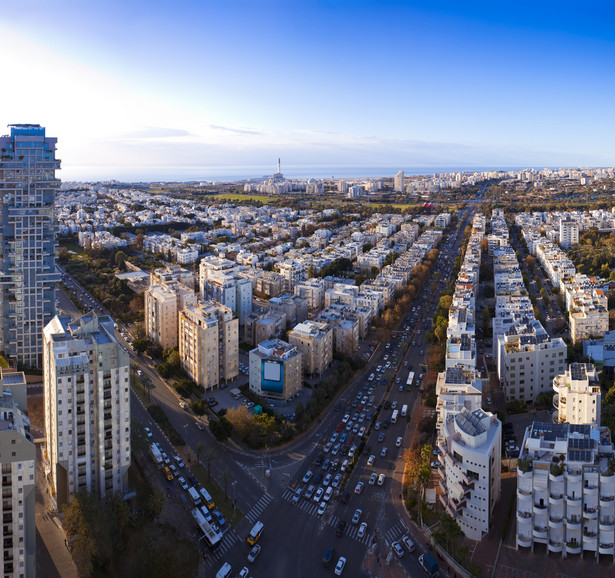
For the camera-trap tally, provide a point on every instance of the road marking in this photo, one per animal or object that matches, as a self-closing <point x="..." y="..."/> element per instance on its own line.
<point x="259" y="508"/>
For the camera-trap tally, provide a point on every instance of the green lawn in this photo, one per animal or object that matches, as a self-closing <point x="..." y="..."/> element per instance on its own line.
<point x="247" y="197"/>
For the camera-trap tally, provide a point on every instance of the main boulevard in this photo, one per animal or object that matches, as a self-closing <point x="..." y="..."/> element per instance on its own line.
<point x="262" y="484"/>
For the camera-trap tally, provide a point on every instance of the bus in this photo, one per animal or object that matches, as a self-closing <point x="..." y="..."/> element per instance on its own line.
<point x="410" y="380"/>
<point x="394" y="416"/>
<point x="211" y="537"/>
<point x="255" y="533"/>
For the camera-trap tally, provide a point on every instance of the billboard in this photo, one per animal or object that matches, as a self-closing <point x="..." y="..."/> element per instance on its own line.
<point x="272" y="376"/>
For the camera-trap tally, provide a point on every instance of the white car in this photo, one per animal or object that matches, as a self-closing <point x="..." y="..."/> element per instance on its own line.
<point x="307" y="476"/>
<point x="318" y="495"/>
<point x="183" y="483"/>
<point x="370" y="460"/>
<point x="148" y="432"/>
<point x="398" y="442"/>
<point x="381" y="479"/>
<point x="339" y="567"/>
<point x="322" y="508"/>
<point x="327" y="480"/>
<point x="362" y="529"/>
<point x="373" y="478"/>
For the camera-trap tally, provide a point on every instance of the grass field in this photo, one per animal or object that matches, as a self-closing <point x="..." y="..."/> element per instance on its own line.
<point x="237" y="197"/>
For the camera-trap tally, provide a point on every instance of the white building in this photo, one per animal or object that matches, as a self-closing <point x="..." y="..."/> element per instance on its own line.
<point x="275" y="370"/>
<point x="568" y="233"/>
<point x="566" y="490"/>
<point x="577" y="396"/>
<point x="17" y="456"/>
<point x="87" y="408"/>
<point x="398" y="182"/>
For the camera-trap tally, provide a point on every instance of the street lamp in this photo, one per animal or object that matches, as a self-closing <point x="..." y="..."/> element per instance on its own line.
<point x="234" y="484"/>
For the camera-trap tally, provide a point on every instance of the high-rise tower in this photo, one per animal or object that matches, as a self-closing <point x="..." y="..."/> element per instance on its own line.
<point x="27" y="259"/>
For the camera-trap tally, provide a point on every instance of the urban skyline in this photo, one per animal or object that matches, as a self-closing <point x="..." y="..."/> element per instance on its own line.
<point x="153" y="92"/>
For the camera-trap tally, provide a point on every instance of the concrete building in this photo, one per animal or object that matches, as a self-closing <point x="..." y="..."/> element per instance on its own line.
<point x="568" y="233"/>
<point x="566" y="490"/>
<point x="170" y="273"/>
<point x="87" y="408"/>
<point x="315" y="342"/>
<point x="209" y="343"/>
<point x="27" y="261"/>
<point x="589" y="315"/>
<point x="577" y="396"/>
<point x="228" y="289"/>
<point x="275" y="370"/>
<point x="261" y="327"/>
<point x="398" y="182"/>
<point x="293" y="272"/>
<point x="162" y="303"/>
<point x="313" y="290"/>
<point x="295" y="308"/>
<point x="17" y="457"/>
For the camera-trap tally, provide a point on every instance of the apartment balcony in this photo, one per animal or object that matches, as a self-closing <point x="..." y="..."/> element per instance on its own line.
<point x="606" y="528"/>
<point x="573" y="499"/>
<point x="607" y="480"/>
<point x="523" y="492"/>
<point x="573" y="522"/>
<point x="6" y="469"/>
<point x="7" y="518"/>
<point x="573" y="478"/>
<point x="590" y="542"/>
<point x="521" y="474"/>
<point x="573" y="548"/>
<point x="555" y="546"/>
<point x="524" y="517"/>
<point x="6" y="481"/>
<point x="540" y="532"/>
<point x="606" y="548"/>
<point x="555" y="522"/>
<point x="524" y="541"/>
<point x="556" y="499"/>
<point x="540" y="508"/>
<point x="590" y="512"/>
<point x="8" y="556"/>
<point x="607" y="501"/>
<point x="590" y="491"/>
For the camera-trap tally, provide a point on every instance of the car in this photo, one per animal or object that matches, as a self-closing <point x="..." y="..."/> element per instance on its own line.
<point x="336" y="480"/>
<point x="182" y="482"/>
<point x="381" y="437"/>
<point x="322" y="508"/>
<point x="256" y="550"/>
<point x="183" y="405"/>
<point x="307" y="477"/>
<point x="359" y="488"/>
<point x="383" y="453"/>
<point x="339" y="529"/>
<point x="361" y="432"/>
<point x="309" y="492"/>
<point x="336" y="449"/>
<point x="408" y="543"/>
<point x="334" y="465"/>
<point x="199" y="425"/>
<point x="218" y="515"/>
<point x="243" y="573"/>
<point x="166" y="459"/>
<point x="345" y="497"/>
<point x="327" y="480"/>
<point x="435" y="464"/>
<point x="318" y="495"/>
<point x="334" y="437"/>
<point x="168" y="474"/>
<point x="512" y="449"/>
<point x="148" y="432"/>
<point x="398" y="549"/>
<point x="381" y="479"/>
<point x="393" y="404"/>
<point x="318" y="478"/>
<point x="174" y="470"/>
<point x="339" y="567"/>
<point x="370" y="460"/>
<point x="328" y="446"/>
<point x="387" y="404"/>
<point x="297" y="495"/>
<point x="377" y="426"/>
<point x="357" y="515"/>
<point x="318" y="460"/>
<point x="326" y="464"/>
<point x="398" y="442"/>
<point x="346" y="418"/>
<point x="373" y="478"/>
<point x="362" y="530"/>
<point x="180" y="462"/>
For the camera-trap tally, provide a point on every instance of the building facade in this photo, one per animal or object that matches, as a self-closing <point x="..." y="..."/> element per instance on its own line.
<point x="275" y="370"/>
<point x="209" y="343"/>
<point x="577" y="396"/>
<point x="17" y="456"/>
<point x="315" y="342"/>
<point x="566" y="490"/>
<point x="87" y="408"/>
<point x="27" y="259"/>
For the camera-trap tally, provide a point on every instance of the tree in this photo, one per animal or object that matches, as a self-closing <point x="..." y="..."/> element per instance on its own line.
<point x="198" y="448"/>
<point x="120" y="260"/>
<point x="63" y="255"/>
<point x="226" y="478"/>
<point x="155" y="503"/>
<point x="209" y="456"/>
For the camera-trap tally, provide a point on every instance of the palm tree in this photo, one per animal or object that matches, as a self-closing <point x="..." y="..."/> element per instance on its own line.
<point x="226" y="478"/>
<point x="156" y="503"/>
<point x="209" y="456"/>
<point x="198" y="449"/>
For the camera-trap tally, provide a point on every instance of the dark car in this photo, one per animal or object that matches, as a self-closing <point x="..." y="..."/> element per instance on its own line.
<point x="318" y="459"/>
<point x="387" y="404"/>
<point x="341" y="526"/>
<point x="318" y="478"/>
<point x="345" y="497"/>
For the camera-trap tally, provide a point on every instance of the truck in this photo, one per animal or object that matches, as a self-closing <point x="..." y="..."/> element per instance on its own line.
<point x="156" y="454"/>
<point x="410" y="380"/>
<point x="429" y="564"/>
<point x="236" y="393"/>
<point x="394" y="416"/>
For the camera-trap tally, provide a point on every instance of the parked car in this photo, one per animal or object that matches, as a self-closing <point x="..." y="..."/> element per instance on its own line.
<point x="359" y="488"/>
<point x="256" y="550"/>
<point x="398" y="549"/>
<point x="339" y="529"/>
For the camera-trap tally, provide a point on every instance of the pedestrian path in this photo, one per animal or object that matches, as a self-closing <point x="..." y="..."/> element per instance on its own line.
<point x="257" y="509"/>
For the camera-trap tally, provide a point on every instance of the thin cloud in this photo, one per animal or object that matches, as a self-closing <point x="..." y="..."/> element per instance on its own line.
<point x="234" y="130"/>
<point x="158" y="132"/>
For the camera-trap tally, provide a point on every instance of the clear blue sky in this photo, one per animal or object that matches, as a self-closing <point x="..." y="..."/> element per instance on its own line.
<point x="149" y="89"/>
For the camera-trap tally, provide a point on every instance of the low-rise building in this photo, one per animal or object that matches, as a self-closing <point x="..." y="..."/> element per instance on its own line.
<point x="577" y="396"/>
<point x="276" y="370"/>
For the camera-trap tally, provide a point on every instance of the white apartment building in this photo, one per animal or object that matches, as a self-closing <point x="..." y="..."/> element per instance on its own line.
<point x="162" y="303"/>
<point x="87" y="408"/>
<point x="566" y="490"/>
<point x="17" y="456"/>
<point x="398" y="182"/>
<point x="589" y="315"/>
<point x="276" y="370"/>
<point x="170" y="273"/>
<point x="568" y="233"/>
<point x="315" y="342"/>
<point x="528" y="360"/>
<point x="313" y="290"/>
<point x="577" y="396"/>
<point x="293" y="272"/>
<point x="228" y="289"/>
<point x="209" y="343"/>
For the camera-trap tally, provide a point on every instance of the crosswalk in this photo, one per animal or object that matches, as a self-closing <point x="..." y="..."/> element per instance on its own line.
<point x="228" y="541"/>
<point x="257" y="509"/>
<point x="396" y="532"/>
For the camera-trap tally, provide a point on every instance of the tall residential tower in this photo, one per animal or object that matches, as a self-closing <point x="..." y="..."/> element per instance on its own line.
<point x="27" y="261"/>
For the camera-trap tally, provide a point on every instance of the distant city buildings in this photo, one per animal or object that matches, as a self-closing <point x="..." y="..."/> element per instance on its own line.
<point x="87" y="408"/>
<point x="27" y="261"/>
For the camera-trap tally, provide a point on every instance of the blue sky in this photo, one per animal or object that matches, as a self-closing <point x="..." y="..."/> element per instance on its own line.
<point x="150" y="90"/>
